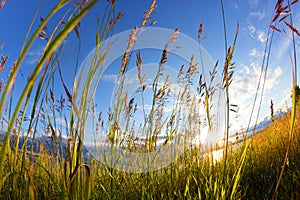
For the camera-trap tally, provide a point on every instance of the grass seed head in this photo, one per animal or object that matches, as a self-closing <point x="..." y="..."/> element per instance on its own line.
<point x="132" y="39"/>
<point x="2" y="4"/>
<point x="2" y="63"/>
<point x="200" y="30"/>
<point x="148" y="13"/>
<point x="114" y="21"/>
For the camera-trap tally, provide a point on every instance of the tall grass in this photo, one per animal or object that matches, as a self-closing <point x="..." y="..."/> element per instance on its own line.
<point x="53" y="43"/>
<point x="294" y="89"/>
<point x="59" y="174"/>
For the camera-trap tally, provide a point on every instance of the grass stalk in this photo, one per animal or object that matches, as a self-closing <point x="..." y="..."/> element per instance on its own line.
<point x="294" y="105"/>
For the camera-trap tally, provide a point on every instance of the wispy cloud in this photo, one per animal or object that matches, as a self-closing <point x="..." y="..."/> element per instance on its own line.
<point x="244" y="85"/>
<point x="256" y="34"/>
<point x="235" y="4"/>
<point x="253" y="3"/>
<point x="167" y="108"/>
<point x="245" y="82"/>
<point x="255" y="53"/>
<point x="133" y="81"/>
<point x="110" y="78"/>
<point x="283" y="47"/>
<point x="34" y="55"/>
<point x="285" y="99"/>
<point x="260" y="15"/>
<point x="251" y="30"/>
<point x="243" y="90"/>
<point x="262" y="36"/>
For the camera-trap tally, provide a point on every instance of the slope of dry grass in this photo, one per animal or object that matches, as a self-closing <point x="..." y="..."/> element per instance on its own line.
<point x="265" y="160"/>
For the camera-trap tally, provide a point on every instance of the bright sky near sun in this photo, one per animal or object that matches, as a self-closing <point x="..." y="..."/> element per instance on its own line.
<point x="253" y="16"/>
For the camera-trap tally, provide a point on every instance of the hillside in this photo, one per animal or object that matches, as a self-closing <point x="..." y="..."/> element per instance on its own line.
<point x="265" y="158"/>
<point x="191" y="176"/>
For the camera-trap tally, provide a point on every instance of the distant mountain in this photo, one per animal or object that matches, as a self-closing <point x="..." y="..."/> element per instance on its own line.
<point x="60" y="145"/>
<point x="45" y="143"/>
<point x="266" y="122"/>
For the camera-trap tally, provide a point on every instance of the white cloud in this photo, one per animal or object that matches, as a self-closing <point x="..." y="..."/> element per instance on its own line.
<point x="245" y="82"/>
<point x="262" y="36"/>
<point x="145" y="107"/>
<point x="285" y="100"/>
<point x="61" y="122"/>
<point x="259" y="14"/>
<point x="284" y="46"/>
<point x="251" y="29"/>
<point x="253" y="3"/>
<point x="110" y="78"/>
<point x="255" y="53"/>
<point x="278" y="71"/>
<point x="129" y="80"/>
<point x="272" y="78"/>
<point x="235" y="4"/>
<point x="243" y="90"/>
<point x="256" y="34"/>
<point x="34" y="55"/>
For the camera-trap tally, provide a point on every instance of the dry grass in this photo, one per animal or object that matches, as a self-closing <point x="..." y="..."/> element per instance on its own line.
<point x="270" y="156"/>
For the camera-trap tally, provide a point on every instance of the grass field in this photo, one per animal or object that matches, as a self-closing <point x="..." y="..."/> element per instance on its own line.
<point x="266" y="165"/>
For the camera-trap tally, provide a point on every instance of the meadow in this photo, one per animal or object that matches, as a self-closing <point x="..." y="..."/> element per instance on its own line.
<point x="265" y="165"/>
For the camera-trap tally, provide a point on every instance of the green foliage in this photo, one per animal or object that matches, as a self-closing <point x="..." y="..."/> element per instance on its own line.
<point x="252" y="171"/>
<point x="297" y="93"/>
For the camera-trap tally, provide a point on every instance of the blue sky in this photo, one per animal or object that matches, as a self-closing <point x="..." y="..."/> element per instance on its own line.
<point x="253" y="16"/>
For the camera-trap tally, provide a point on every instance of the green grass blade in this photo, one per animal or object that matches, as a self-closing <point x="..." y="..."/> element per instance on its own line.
<point x="29" y="85"/>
